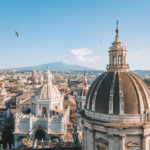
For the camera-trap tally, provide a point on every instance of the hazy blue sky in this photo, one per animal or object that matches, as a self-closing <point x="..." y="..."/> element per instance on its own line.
<point x="75" y="31"/>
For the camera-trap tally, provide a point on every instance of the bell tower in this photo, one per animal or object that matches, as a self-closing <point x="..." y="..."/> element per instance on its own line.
<point x="117" y="55"/>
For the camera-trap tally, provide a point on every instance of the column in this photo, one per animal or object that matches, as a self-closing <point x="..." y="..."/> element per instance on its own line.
<point x="110" y="142"/>
<point x="122" y="142"/>
<point x="89" y="139"/>
<point x="145" y="143"/>
<point x="117" y="59"/>
<point x="30" y="121"/>
<point x="84" y="138"/>
<point x="92" y="138"/>
<point x="122" y="59"/>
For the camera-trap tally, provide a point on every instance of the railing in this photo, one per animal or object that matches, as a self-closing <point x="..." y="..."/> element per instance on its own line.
<point x="117" y="66"/>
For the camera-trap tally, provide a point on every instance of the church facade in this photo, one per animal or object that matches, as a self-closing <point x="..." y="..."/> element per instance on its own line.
<point x="47" y="120"/>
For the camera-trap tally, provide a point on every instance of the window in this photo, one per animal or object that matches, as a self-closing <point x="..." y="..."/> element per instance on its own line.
<point x="114" y="60"/>
<point x="120" y="59"/>
<point x="44" y="111"/>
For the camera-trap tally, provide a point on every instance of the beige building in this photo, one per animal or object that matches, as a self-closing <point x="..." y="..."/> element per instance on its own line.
<point x="117" y="109"/>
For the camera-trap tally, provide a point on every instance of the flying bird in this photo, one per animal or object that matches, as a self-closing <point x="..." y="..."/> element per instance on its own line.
<point x="17" y="34"/>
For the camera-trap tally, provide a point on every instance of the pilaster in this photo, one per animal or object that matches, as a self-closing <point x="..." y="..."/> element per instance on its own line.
<point x="84" y="137"/>
<point x="145" y="143"/>
<point x="110" y="142"/>
<point x="122" y="142"/>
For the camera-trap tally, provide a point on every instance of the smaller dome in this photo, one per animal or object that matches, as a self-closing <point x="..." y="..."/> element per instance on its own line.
<point x="48" y="91"/>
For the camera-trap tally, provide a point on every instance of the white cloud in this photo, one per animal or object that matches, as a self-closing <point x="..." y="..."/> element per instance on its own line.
<point x="62" y="61"/>
<point x="84" y="55"/>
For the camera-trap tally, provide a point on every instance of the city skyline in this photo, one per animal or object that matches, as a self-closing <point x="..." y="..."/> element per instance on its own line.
<point x="76" y="32"/>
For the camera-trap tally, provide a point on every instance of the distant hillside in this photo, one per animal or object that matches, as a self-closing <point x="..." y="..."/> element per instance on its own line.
<point x="54" y="66"/>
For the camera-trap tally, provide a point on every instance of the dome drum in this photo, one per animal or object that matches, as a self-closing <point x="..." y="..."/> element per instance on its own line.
<point x="124" y="118"/>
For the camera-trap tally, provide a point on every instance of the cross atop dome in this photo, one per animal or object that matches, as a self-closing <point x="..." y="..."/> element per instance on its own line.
<point x="117" y="54"/>
<point x="117" y="30"/>
<point x="117" y="38"/>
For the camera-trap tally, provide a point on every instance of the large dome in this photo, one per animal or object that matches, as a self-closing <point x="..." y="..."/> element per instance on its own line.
<point x="125" y="91"/>
<point x="118" y="91"/>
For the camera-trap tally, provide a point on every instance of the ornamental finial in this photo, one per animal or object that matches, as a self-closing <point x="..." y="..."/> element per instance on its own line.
<point x="117" y="30"/>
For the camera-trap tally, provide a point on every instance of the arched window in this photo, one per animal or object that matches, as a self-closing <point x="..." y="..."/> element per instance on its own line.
<point x="120" y="59"/>
<point x="44" y="111"/>
<point x="114" y="60"/>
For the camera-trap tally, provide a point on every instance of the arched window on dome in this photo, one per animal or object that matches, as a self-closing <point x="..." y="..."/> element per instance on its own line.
<point x="120" y="60"/>
<point x="114" y="60"/>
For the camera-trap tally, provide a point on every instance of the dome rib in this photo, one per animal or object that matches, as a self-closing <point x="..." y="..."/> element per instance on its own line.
<point x="111" y="95"/>
<point x="48" y="93"/>
<point x="120" y="95"/>
<point x="115" y="96"/>
<point x="40" y="91"/>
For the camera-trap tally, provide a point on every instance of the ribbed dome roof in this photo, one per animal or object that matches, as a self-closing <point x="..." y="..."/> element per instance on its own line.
<point x="118" y="93"/>
<point x="48" y="91"/>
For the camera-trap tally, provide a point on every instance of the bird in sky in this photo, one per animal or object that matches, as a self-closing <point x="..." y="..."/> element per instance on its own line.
<point x="17" y="34"/>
